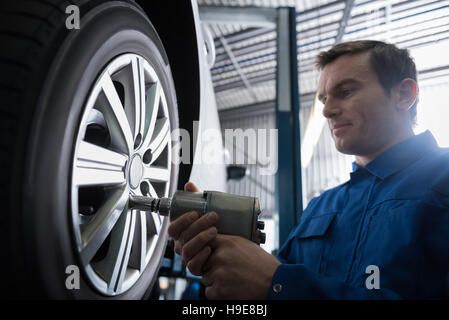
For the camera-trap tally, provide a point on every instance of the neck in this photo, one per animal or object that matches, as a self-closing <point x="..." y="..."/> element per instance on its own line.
<point x="363" y="160"/>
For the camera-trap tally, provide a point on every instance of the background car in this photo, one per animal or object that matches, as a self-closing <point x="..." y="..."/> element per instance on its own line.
<point x="86" y="120"/>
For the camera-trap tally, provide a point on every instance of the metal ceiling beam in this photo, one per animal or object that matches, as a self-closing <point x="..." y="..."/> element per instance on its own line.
<point x="244" y="35"/>
<point x="238" y="84"/>
<point x="227" y="77"/>
<point x="270" y="44"/>
<point x="438" y="74"/>
<point x="443" y="35"/>
<point x="247" y="111"/>
<point x="432" y="70"/>
<point x="237" y="68"/>
<point x="249" y="16"/>
<point x="325" y="8"/>
<point x="344" y="20"/>
<point x="404" y="44"/>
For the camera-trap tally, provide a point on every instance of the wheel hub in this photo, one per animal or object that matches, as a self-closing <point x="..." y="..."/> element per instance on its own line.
<point x="135" y="172"/>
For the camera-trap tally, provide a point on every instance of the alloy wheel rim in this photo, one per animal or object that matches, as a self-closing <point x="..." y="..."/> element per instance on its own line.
<point x="123" y="147"/>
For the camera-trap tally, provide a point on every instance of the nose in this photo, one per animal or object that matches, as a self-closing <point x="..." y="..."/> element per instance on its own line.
<point x="331" y="109"/>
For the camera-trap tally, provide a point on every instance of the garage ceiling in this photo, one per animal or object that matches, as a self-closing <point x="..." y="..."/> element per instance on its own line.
<point x="407" y="23"/>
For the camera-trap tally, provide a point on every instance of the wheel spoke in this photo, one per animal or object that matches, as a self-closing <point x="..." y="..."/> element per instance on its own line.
<point x="152" y="191"/>
<point x="96" y="117"/>
<point x="123" y="260"/>
<point x="157" y="221"/>
<point x="96" y="231"/>
<point x="160" y="139"/>
<point x="152" y="108"/>
<point x="138" y="254"/>
<point x="115" y="117"/>
<point x="95" y="165"/>
<point x="157" y="174"/>
<point x="112" y="267"/>
<point x="152" y="223"/>
<point x="139" y="96"/>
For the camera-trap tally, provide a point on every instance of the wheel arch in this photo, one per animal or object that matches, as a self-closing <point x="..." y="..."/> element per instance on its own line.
<point x="177" y="31"/>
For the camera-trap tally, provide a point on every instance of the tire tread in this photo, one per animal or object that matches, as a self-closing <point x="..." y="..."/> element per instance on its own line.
<point x="31" y="32"/>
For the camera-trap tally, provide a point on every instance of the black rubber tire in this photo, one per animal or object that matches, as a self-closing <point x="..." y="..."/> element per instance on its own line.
<point x="46" y="74"/>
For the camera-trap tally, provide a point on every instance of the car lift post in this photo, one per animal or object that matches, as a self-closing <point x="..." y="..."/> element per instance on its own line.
<point x="288" y="178"/>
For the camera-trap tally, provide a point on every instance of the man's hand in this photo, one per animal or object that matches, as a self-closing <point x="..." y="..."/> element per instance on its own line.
<point x="238" y="269"/>
<point x="192" y="235"/>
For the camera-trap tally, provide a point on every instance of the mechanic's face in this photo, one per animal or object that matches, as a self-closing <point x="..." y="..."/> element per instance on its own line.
<point x="363" y="119"/>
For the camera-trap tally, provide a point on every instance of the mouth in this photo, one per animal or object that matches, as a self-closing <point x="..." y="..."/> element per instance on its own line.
<point x="339" y="129"/>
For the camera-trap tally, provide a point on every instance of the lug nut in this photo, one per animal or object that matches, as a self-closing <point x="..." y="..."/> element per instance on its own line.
<point x="144" y="188"/>
<point x="147" y="156"/>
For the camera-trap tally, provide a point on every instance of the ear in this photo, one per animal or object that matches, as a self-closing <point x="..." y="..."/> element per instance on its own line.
<point x="407" y="93"/>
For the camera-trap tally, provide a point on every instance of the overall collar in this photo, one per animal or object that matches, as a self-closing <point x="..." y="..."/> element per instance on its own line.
<point x="401" y="155"/>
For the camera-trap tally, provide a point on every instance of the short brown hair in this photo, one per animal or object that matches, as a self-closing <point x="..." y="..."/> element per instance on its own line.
<point x="390" y="63"/>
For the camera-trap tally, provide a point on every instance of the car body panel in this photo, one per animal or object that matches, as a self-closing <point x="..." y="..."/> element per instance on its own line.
<point x="197" y="107"/>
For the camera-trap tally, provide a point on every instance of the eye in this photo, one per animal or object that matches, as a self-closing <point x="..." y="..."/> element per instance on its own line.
<point x="346" y="92"/>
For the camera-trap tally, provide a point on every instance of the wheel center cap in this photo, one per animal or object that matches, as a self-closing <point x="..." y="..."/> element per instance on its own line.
<point x="135" y="171"/>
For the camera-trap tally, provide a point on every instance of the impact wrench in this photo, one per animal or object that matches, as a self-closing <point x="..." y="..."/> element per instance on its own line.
<point x="238" y="215"/>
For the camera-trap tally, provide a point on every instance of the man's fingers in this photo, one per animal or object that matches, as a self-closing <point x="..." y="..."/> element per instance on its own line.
<point x="191" y="187"/>
<point x="196" y="264"/>
<point x="201" y="224"/>
<point x="212" y="287"/>
<point x="207" y="279"/>
<point x="210" y="293"/>
<point x="196" y="244"/>
<point x="216" y="258"/>
<point x="220" y="240"/>
<point x="182" y="223"/>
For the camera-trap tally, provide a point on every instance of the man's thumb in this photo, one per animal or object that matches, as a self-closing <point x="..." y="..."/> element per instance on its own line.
<point x="191" y="187"/>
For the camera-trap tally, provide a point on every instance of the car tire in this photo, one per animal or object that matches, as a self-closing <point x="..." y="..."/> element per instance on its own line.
<point x="48" y="74"/>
